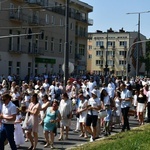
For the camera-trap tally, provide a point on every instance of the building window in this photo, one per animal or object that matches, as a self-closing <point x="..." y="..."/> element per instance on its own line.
<point x="99" y="62"/>
<point x="123" y="43"/>
<point x="122" y="53"/>
<point x="90" y="47"/>
<point x="52" y="20"/>
<point x="46" y="43"/>
<point x="10" y="67"/>
<point x="99" y="43"/>
<point x="61" y="22"/>
<point x="29" y="67"/>
<point x="47" y="19"/>
<point x="60" y="45"/>
<point x="10" y="41"/>
<point x="82" y="49"/>
<point x="110" y="53"/>
<point x="18" y="68"/>
<point x="71" y="26"/>
<point x="110" y="62"/>
<point x="122" y="62"/>
<point x="111" y="43"/>
<point x="99" y="53"/>
<point x="90" y="56"/>
<point x="52" y="44"/>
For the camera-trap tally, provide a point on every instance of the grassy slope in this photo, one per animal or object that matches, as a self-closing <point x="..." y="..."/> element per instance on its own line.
<point x="136" y="139"/>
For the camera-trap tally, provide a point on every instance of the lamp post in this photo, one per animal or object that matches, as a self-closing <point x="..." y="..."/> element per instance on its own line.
<point x="66" y="50"/>
<point x="138" y="39"/>
<point x="106" y="65"/>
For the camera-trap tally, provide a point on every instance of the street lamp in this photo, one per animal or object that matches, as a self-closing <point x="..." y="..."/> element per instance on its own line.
<point x="138" y="39"/>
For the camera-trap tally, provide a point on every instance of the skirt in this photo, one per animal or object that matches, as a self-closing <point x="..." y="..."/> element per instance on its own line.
<point x="140" y="107"/>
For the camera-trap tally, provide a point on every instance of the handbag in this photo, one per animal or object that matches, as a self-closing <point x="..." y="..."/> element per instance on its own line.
<point x="55" y="127"/>
<point x="102" y="114"/>
<point x="28" y="122"/>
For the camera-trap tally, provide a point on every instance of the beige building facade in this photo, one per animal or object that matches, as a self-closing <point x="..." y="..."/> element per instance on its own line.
<point x="118" y="49"/>
<point x="32" y="37"/>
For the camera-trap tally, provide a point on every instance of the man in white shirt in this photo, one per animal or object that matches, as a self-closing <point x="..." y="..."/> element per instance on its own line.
<point x="7" y="117"/>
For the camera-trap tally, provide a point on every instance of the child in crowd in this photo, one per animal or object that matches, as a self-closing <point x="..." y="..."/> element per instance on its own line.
<point x="18" y="133"/>
<point x="107" y="120"/>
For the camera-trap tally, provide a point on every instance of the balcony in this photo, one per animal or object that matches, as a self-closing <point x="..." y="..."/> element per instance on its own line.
<point x="81" y="34"/>
<point x="90" y="22"/>
<point x="111" y="57"/>
<point x="102" y="47"/>
<point x="34" y="20"/>
<point x="78" y="16"/>
<point x="15" y="16"/>
<point x="34" y="50"/>
<point x="60" y="10"/>
<point x="17" y="49"/>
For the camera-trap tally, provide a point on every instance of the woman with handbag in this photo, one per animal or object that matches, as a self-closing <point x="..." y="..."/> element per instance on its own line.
<point x="52" y="117"/>
<point x="33" y="111"/>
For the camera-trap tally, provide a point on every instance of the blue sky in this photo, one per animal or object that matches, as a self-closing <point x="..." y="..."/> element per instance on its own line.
<point x="112" y="13"/>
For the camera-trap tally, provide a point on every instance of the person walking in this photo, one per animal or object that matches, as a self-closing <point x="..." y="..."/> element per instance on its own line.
<point x="65" y="108"/>
<point x="52" y="117"/>
<point x="141" y="106"/>
<point x="82" y="110"/>
<point x="33" y="110"/>
<point x="8" y="117"/>
<point x="126" y="98"/>
<point x="92" y="114"/>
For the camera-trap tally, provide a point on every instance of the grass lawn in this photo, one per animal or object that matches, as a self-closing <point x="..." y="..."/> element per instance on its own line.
<point x="136" y="139"/>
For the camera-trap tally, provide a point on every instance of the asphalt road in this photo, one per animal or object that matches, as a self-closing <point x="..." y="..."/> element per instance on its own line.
<point x="73" y="140"/>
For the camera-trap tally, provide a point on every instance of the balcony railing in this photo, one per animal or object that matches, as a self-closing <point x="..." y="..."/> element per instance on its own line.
<point x="34" y="20"/>
<point x="81" y="34"/>
<point x="18" y="49"/>
<point x="15" y="16"/>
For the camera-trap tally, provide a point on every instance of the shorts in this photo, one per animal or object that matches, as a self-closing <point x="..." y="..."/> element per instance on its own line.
<point x="91" y="120"/>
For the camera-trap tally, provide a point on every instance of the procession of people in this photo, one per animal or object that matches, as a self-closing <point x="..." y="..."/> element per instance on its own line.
<point x="97" y="106"/>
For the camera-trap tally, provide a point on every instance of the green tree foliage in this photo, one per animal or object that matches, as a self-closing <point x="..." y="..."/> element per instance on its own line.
<point x="146" y="59"/>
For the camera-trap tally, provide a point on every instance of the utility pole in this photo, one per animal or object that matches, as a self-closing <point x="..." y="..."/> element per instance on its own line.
<point x="138" y="39"/>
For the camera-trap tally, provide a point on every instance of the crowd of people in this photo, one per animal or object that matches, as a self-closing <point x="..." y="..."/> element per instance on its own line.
<point x="95" y="106"/>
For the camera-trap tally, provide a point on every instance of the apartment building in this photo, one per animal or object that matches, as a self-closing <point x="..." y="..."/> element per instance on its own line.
<point x="117" y="50"/>
<point x="32" y="37"/>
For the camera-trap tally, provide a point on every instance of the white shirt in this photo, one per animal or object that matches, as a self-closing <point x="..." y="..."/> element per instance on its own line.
<point x="93" y="102"/>
<point x="8" y="110"/>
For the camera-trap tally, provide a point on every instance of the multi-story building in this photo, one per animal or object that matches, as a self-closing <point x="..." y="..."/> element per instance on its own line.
<point x="32" y="37"/>
<point x="117" y="50"/>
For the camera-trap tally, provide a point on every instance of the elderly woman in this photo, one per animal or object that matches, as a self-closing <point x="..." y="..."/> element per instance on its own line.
<point x="52" y="116"/>
<point x="33" y="110"/>
<point x="65" y="109"/>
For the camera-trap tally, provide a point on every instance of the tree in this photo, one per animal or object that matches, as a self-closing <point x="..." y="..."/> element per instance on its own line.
<point x="146" y="59"/>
